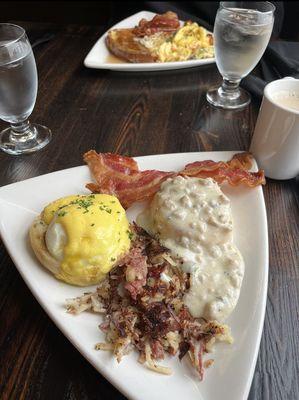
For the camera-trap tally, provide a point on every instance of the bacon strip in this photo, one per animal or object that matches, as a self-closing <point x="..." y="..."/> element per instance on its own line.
<point x="232" y="176"/>
<point x="167" y="22"/>
<point x="120" y="176"/>
<point x="239" y="160"/>
<point x="123" y="180"/>
<point x="234" y="171"/>
<point x="110" y="162"/>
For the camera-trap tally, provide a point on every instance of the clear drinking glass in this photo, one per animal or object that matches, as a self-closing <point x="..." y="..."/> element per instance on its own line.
<point x="18" y="90"/>
<point x="242" y="32"/>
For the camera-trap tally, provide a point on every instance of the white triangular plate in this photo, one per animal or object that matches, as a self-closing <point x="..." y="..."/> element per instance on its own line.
<point x="98" y="57"/>
<point x="230" y="376"/>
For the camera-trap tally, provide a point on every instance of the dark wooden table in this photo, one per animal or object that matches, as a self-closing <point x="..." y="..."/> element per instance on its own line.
<point x="134" y="114"/>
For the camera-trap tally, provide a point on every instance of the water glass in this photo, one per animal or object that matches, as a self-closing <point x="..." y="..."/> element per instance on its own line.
<point x="18" y="90"/>
<point x="242" y="32"/>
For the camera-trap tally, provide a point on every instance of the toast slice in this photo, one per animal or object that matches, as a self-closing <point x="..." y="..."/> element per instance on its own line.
<point x="124" y="44"/>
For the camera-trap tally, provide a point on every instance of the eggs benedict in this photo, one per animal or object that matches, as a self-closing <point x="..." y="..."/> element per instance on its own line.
<point x="81" y="238"/>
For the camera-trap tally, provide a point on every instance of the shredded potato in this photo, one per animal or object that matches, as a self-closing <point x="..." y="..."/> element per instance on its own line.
<point x="151" y="365"/>
<point x="148" y="314"/>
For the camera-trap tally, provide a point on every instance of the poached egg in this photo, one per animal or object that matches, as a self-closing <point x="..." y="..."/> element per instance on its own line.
<point x="85" y="235"/>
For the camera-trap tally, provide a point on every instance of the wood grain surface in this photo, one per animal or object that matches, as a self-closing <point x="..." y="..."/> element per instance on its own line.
<point x="134" y="114"/>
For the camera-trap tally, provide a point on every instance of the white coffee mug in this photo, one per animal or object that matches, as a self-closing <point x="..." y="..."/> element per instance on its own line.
<point x="275" y="142"/>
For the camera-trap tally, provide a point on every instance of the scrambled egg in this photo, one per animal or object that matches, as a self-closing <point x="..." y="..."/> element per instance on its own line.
<point x="189" y="42"/>
<point x="87" y="235"/>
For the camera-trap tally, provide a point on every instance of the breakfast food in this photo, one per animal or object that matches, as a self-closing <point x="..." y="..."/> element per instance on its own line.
<point x="166" y="285"/>
<point x="80" y="238"/>
<point x="121" y="177"/>
<point x="193" y="219"/>
<point x="121" y="43"/>
<point x="190" y="42"/>
<point x="143" y="308"/>
<point x="161" y="39"/>
<point x="182" y="276"/>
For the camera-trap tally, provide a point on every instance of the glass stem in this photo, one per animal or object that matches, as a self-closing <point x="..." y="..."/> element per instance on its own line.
<point x="230" y="89"/>
<point x="21" y="131"/>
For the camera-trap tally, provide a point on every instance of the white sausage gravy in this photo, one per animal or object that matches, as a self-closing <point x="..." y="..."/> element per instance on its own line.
<point x="193" y="218"/>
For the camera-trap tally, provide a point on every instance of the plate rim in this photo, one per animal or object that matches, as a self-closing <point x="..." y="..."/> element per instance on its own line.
<point x="72" y="338"/>
<point x="135" y="67"/>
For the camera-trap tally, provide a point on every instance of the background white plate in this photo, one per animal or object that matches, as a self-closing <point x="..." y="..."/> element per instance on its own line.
<point x="230" y="376"/>
<point x="98" y="55"/>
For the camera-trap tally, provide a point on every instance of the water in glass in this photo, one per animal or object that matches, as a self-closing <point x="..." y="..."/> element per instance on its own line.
<point x="241" y="37"/>
<point x="242" y="31"/>
<point x="18" y="83"/>
<point x="18" y="90"/>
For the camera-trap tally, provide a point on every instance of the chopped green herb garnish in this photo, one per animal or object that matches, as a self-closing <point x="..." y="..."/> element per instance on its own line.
<point x="83" y="203"/>
<point x="61" y="213"/>
<point x="105" y="208"/>
<point x="112" y="259"/>
<point x="130" y="234"/>
<point x="91" y="224"/>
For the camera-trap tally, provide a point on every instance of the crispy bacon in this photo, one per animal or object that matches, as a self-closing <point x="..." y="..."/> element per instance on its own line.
<point x="239" y="161"/>
<point x="234" y="176"/>
<point x="103" y="164"/>
<point x="167" y="22"/>
<point x="234" y="171"/>
<point x="120" y="176"/>
<point x="125" y="181"/>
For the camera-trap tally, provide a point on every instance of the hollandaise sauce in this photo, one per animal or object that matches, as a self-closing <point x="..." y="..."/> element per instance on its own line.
<point x="87" y="235"/>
